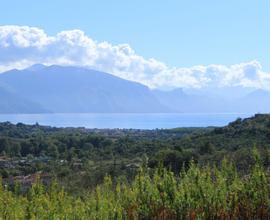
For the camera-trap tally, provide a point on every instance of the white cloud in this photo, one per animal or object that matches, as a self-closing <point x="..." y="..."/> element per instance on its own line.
<point x="21" y="46"/>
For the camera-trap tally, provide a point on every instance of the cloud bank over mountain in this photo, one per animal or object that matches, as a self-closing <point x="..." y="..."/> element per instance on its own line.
<point x="22" y="46"/>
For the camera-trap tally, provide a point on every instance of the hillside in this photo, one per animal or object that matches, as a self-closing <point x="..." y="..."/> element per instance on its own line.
<point x="79" y="90"/>
<point x="249" y="132"/>
<point x="11" y="102"/>
<point x="60" y="89"/>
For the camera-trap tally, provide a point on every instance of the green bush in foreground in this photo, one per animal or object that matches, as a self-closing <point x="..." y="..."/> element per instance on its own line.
<point x="198" y="193"/>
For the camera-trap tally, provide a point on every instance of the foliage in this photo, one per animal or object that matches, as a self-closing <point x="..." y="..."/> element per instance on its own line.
<point x="198" y="193"/>
<point x="80" y="158"/>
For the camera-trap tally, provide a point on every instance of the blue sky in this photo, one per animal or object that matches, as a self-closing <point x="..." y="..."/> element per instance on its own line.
<point x="177" y="33"/>
<point x="180" y="33"/>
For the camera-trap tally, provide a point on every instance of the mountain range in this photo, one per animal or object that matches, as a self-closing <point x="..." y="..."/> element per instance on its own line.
<point x="77" y="90"/>
<point x="59" y="89"/>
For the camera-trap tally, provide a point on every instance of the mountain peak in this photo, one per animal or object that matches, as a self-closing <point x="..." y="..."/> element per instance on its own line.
<point x="36" y="67"/>
<point x="259" y="93"/>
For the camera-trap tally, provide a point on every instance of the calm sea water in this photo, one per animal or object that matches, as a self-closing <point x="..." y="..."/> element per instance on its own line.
<point x="137" y="121"/>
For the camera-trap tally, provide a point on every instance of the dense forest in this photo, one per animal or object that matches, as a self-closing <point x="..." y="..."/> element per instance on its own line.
<point x="151" y="174"/>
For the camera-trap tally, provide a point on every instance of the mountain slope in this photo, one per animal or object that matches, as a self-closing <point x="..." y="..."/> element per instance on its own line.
<point x="256" y="101"/>
<point x="180" y="101"/>
<point x="78" y="90"/>
<point x="13" y="103"/>
<point x="241" y="133"/>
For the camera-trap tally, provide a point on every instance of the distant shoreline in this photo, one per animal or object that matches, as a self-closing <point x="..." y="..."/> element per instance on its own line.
<point x="126" y="120"/>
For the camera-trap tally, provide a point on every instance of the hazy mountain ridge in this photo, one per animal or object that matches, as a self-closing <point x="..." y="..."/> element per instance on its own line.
<point x="180" y="101"/>
<point x="78" y="90"/>
<point x="256" y="101"/>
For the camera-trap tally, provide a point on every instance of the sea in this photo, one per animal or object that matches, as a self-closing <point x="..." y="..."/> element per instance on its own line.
<point x="126" y="120"/>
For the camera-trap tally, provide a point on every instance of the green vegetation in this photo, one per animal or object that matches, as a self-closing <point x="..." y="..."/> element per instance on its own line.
<point x="199" y="193"/>
<point x="136" y="174"/>
<point x="80" y="158"/>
